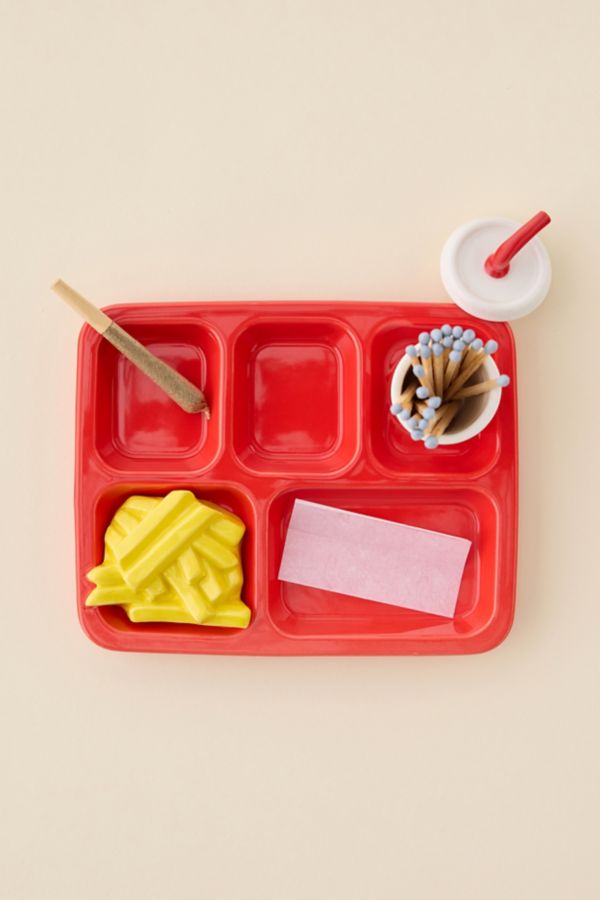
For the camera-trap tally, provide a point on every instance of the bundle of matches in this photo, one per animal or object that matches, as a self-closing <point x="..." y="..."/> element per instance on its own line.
<point x="444" y="361"/>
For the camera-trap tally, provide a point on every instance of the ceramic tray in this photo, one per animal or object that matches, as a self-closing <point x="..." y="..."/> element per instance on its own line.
<point x="299" y="394"/>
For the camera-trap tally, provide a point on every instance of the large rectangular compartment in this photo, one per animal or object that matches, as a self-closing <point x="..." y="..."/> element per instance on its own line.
<point x="299" y="394"/>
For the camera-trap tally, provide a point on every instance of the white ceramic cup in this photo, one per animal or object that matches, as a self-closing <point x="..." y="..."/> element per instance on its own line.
<point x="476" y="413"/>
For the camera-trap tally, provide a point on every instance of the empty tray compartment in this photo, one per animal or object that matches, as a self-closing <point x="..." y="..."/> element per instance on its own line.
<point x="296" y="396"/>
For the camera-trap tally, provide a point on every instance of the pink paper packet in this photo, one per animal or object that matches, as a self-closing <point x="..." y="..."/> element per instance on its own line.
<point x="364" y="556"/>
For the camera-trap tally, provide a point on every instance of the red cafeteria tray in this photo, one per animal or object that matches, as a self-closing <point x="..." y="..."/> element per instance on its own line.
<point x="299" y="394"/>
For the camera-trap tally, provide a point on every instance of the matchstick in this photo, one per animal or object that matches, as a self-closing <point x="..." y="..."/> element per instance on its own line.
<point x="441" y="422"/>
<point x="406" y="397"/>
<point x="178" y="388"/>
<point x="454" y="361"/>
<point x="413" y="352"/>
<point x="466" y="372"/>
<point x="472" y="349"/>
<point x="405" y="401"/>
<point x="427" y="379"/>
<point x="419" y="373"/>
<point x="438" y="368"/>
<point x="483" y="387"/>
<point x="443" y="416"/>
<point x="433" y="420"/>
<point x="447" y="342"/>
<point x="469" y="370"/>
<point x="426" y="412"/>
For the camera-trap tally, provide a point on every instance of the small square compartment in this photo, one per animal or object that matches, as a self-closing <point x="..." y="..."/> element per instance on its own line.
<point x="109" y="626"/>
<point x="138" y="427"/>
<point x="390" y="443"/>
<point x="295" y="399"/>
<point x="304" y="612"/>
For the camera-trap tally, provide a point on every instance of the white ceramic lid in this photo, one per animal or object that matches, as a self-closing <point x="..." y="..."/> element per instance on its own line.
<point x="464" y="276"/>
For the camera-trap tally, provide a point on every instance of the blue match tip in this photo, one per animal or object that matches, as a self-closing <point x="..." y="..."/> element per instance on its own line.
<point x="436" y="334"/>
<point x="455" y="355"/>
<point x="446" y="330"/>
<point x="431" y="442"/>
<point x="425" y="352"/>
<point x="437" y="349"/>
<point x="416" y="435"/>
<point x="396" y="408"/>
<point x="419" y="371"/>
<point x="468" y="336"/>
<point x="459" y="345"/>
<point x="429" y="413"/>
<point x="457" y="331"/>
<point x="424" y="337"/>
<point x="412" y="422"/>
<point x="434" y="402"/>
<point x="491" y="347"/>
<point x="404" y="416"/>
<point x="411" y="350"/>
<point x="477" y="344"/>
<point x="448" y="341"/>
<point x="421" y="424"/>
<point x="503" y="381"/>
<point x="422" y="393"/>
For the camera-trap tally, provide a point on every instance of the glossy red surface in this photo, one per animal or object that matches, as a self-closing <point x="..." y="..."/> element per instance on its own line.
<point x="498" y="263"/>
<point x="299" y="394"/>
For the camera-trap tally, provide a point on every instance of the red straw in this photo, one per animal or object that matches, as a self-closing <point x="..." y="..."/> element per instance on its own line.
<point x="498" y="263"/>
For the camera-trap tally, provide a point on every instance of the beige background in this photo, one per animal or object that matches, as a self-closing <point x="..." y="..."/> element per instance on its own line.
<point x="280" y="149"/>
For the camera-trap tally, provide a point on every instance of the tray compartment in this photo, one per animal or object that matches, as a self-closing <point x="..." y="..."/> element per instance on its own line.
<point x="138" y="427"/>
<point x="392" y="447"/>
<point x="109" y="625"/>
<point x="302" y="612"/>
<point x="296" y="396"/>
